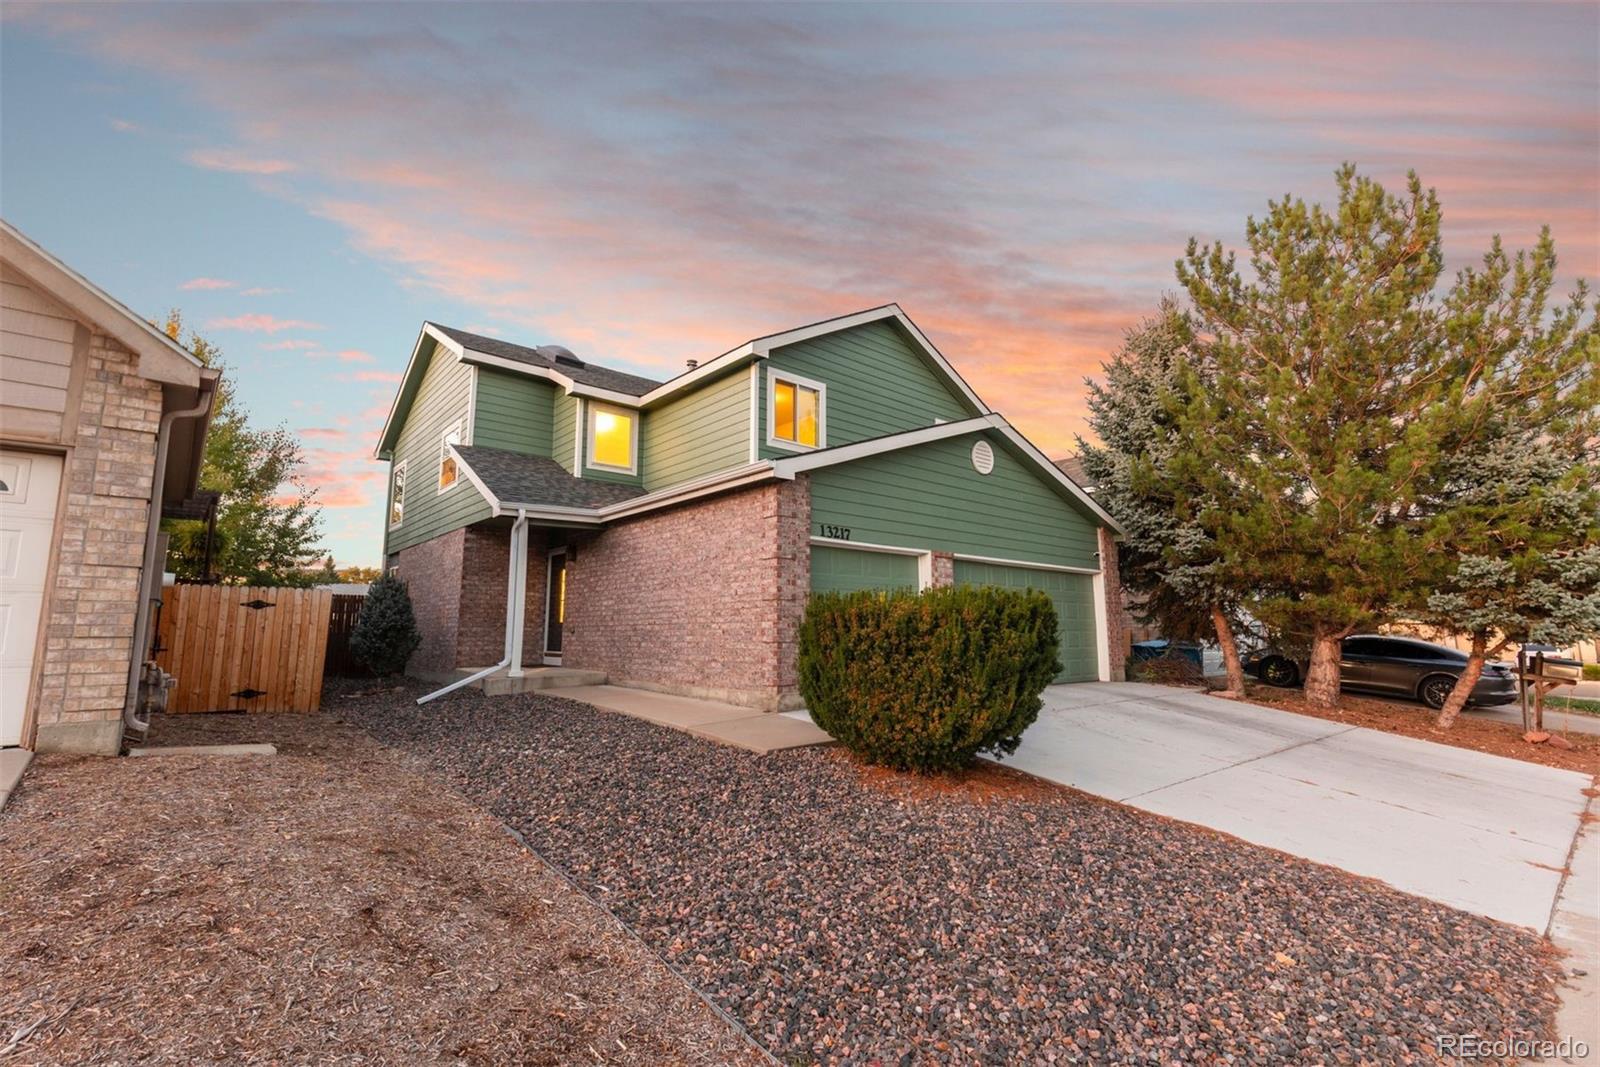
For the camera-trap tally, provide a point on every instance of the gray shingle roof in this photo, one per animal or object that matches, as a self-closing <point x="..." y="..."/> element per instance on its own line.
<point x="546" y="357"/>
<point x="516" y="478"/>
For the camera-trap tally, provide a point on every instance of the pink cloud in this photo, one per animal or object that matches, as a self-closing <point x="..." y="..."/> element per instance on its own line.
<point x="293" y="345"/>
<point x="125" y="126"/>
<point x="356" y="355"/>
<point x="389" y="377"/>
<point x="261" y="324"/>
<point x="207" y="283"/>
<point x="259" y="290"/>
<point x="233" y="162"/>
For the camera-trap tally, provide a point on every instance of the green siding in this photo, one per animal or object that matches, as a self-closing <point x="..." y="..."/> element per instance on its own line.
<point x="442" y="397"/>
<point x="878" y="383"/>
<point x="563" y="425"/>
<point x="929" y="497"/>
<point x="845" y="570"/>
<point x="699" y="434"/>
<point x="1073" y="596"/>
<point x="513" y="412"/>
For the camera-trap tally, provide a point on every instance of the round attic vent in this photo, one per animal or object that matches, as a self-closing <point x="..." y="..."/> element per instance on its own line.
<point x="982" y="457"/>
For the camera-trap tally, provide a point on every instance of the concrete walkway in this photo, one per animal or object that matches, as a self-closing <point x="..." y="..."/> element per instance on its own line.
<point x="1482" y="833"/>
<point x="13" y="761"/>
<point x="727" y="724"/>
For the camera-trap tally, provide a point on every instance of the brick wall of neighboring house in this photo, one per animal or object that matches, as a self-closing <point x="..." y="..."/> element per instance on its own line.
<point x="704" y="599"/>
<point x="944" y="570"/>
<point x="83" y="676"/>
<point x="1116" y="607"/>
<point x="457" y="583"/>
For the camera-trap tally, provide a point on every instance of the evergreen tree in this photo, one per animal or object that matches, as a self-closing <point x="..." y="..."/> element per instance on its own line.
<point x="1168" y="558"/>
<point x="386" y="630"/>
<point x="1329" y="399"/>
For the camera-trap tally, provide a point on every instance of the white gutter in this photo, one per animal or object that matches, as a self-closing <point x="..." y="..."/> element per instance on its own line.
<point x="516" y="609"/>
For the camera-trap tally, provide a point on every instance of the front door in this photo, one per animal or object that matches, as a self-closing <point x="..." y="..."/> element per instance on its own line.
<point x="555" y="609"/>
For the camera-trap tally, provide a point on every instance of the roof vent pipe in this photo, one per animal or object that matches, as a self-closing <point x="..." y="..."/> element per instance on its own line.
<point x="693" y="363"/>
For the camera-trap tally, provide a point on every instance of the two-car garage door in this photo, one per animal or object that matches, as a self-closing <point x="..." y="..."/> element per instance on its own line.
<point x="844" y="570"/>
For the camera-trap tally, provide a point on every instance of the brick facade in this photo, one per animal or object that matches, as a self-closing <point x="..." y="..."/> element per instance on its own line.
<point x="107" y="476"/>
<point x="704" y="599"/>
<point x="1116" y="607"/>
<point x="457" y="583"/>
<point x="944" y="570"/>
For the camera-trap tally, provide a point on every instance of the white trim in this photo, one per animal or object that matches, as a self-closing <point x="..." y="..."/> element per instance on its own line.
<point x="472" y="406"/>
<point x="868" y="546"/>
<point x="544" y="641"/>
<point x="755" y="411"/>
<point x="397" y="472"/>
<point x="1102" y="637"/>
<point x="472" y="476"/>
<point x="789" y="466"/>
<point x="577" y="436"/>
<point x="447" y="451"/>
<point x="775" y="375"/>
<point x="924" y="571"/>
<point x="516" y="625"/>
<point x="1054" y="472"/>
<point x="1028" y="564"/>
<point x="394" y="405"/>
<point x="571" y="387"/>
<point x="595" y="408"/>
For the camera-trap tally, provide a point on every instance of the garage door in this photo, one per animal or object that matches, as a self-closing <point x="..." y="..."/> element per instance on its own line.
<point x="28" y="485"/>
<point x="1073" y="596"/>
<point x="845" y="570"/>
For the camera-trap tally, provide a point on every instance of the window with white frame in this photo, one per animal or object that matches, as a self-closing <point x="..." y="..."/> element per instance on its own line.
<point x="449" y="469"/>
<point x="397" y="495"/>
<point x="613" y="438"/>
<point x="796" y="412"/>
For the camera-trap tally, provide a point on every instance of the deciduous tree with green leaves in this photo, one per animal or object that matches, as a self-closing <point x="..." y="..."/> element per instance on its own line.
<point x="1168" y="558"/>
<point x="1328" y="402"/>
<point x="268" y="521"/>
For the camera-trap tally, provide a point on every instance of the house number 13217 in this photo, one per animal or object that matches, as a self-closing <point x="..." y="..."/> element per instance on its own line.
<point x="838" y="533"/>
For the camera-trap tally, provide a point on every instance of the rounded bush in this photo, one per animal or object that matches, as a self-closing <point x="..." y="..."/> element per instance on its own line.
<point x="386" y="630"/>
<point x="926" y="681"/>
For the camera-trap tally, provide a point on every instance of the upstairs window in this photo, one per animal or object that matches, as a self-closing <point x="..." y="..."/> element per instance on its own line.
<point x="397" y="495"/>
<point x="612" y="440"/>
<point x="449" y="469"/>
<point x="796" y="418"/>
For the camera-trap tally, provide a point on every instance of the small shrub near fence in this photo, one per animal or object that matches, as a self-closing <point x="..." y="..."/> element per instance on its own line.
<point x="1591" y="672"/>
<point x="926" y="681"/>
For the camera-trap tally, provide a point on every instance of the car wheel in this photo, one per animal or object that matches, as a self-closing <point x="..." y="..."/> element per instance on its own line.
<point x="1276" y="670"/>
<point x="1435" y="690"/>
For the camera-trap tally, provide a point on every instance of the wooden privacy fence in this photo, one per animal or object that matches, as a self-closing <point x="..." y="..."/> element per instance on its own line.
<point x="340" y="661"/>
<point x="243" y="648"/>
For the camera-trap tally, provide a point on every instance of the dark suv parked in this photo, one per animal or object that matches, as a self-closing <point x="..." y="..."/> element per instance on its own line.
<point x="1396" y="666"/>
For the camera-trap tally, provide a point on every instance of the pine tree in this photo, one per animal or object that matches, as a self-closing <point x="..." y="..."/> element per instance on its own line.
<point x="1329" y="398"/>
<point x="1168" y="559"/>
<point x="386" y="630"/>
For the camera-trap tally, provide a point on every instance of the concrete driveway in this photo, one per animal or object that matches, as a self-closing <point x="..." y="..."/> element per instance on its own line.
<point x="1482" y="833"/>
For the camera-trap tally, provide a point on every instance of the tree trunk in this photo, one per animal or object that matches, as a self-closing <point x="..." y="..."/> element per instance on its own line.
<point x="1230" y="650"/>
<point x="1469" y="678"/>
<point x="1322" y="677"/>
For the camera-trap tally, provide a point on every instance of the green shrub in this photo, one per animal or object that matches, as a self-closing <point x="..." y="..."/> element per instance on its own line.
<point x="1591" y="672"/>
<point x="926" y="681"/>
<point x="386" y="630"/>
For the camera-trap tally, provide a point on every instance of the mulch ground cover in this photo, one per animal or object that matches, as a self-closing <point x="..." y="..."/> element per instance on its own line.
<point x="1417" y="720"/>
<point x="321" y="906"/>
<point x="847" y="915"/>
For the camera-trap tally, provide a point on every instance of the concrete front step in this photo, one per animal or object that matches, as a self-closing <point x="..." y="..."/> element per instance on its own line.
<point x="533" y="679"/>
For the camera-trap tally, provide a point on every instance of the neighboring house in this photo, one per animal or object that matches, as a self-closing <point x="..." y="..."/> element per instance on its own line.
<point x="674" y="530"/>
<point x="102" y="425"/>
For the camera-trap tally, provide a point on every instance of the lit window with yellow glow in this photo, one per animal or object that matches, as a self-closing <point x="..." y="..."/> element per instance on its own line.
<point x="796" y="413"/>
<point x="611" y="438"/>
<point x="449" y="470"/>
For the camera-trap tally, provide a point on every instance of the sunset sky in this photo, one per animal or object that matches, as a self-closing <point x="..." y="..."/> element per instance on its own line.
<point x="650" y="184"/>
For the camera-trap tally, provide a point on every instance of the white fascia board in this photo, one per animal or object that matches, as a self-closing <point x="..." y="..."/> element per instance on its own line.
<point x="708" y="369"/>
<point x="394" y="405"/>
<point x="1054" y="472"/>
<point x="161" y="359"/>
<point x="472" y="476"/>
<point x="789" y="466"/>
<point x="1025" y="564"/>
<point x="610" y="396"/>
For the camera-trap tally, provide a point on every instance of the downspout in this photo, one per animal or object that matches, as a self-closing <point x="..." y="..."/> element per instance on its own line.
<point x="141" y="617"/>
<point x="516" y="594"/>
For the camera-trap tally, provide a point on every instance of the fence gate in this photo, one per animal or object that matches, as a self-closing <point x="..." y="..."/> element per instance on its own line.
<point x="243" y="648"/>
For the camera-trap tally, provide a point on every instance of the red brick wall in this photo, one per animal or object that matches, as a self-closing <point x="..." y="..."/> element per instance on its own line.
<point x="944" y="569"/>
<point x="1116" y="607"/>
<point x="704" y="598"/>
<point x="458" y="591"/>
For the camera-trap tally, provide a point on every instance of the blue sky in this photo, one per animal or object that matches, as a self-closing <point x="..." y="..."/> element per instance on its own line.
<point x="652" y="184"/>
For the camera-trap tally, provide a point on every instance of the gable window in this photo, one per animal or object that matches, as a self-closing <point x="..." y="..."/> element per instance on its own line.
<point x="613" y="442"/>
<point x="397" y="495"/>
<point x="796" y="412"/>
<point x="449" y="469"/>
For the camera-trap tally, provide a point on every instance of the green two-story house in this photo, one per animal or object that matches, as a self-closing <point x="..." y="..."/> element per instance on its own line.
<point x="545" y="510"/>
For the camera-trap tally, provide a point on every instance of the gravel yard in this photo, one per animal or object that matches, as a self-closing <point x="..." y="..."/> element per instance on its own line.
<point x="319" y="906"/>
<point x="848" y="915"/>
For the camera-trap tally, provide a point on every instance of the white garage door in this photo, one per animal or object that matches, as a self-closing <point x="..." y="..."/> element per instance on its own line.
<point x="28" y="486"/>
